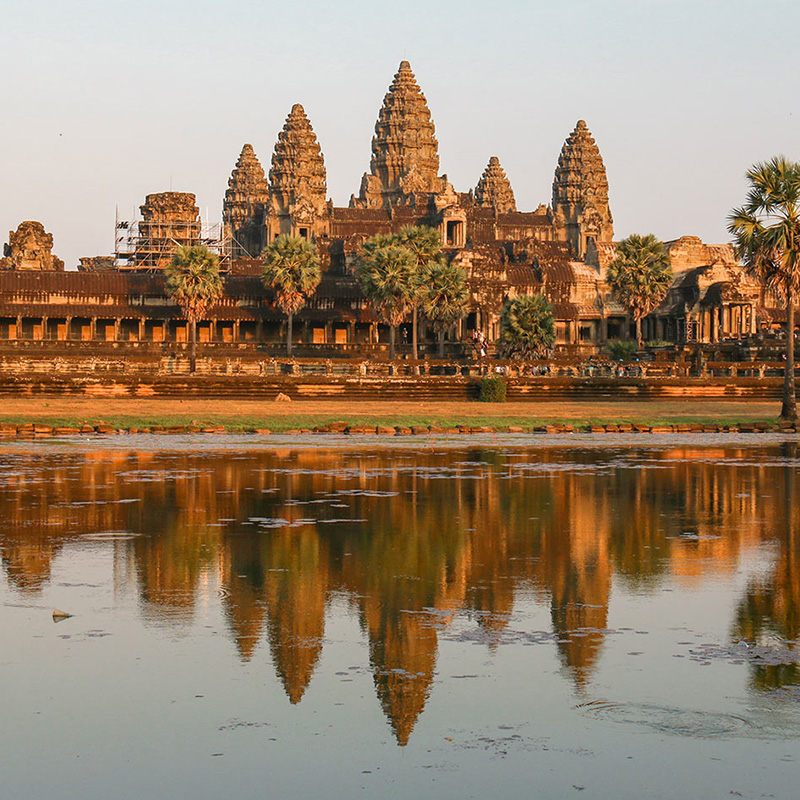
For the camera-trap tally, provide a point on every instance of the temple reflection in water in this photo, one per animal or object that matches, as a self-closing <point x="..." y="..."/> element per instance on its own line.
<point x="411" y="539"/>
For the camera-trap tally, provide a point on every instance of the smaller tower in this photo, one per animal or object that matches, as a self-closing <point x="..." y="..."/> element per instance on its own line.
<point x="245" y="206"/>
<point x="580" y="193"/>
<point x="494" y="189"/>
<point x="297" y="181"/>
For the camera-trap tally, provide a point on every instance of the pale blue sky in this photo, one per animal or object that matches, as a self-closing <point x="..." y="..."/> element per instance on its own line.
<point x="104" y="102"/>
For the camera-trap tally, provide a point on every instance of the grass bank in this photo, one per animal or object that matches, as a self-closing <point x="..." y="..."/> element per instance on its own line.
<point x="246" y="415"/>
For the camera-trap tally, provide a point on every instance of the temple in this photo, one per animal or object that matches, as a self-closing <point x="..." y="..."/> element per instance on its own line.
<point x="561" y="250"/>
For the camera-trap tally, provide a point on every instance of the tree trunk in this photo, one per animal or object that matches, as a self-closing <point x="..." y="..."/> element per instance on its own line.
<point x="289" y="335"/>
<point x="391" y="342"/>
<point x="414" y="351"/>
<point x="638" y="333"/>
<point x="789" y="407"/>
<point x="192" y="345"/>
<point x="440" y="335"/>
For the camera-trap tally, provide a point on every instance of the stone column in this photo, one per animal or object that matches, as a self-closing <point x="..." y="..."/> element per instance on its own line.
<point x="237" y="325"/>
<point x="142" y="329"/>
<point x="18" y="331"/>
<point x="116" y="329"/>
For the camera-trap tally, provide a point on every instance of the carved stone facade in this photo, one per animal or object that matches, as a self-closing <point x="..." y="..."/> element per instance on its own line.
<point x="297" y="180"/>
<point x="494" y="189"/>
<point x="30" y="248"/>
<point x="245" y="205"/>
<point x="405" y="153"/>
<point x="580" y="193"/>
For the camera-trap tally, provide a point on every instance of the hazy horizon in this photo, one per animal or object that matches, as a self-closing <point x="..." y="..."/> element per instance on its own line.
<point x="106" y="103"/>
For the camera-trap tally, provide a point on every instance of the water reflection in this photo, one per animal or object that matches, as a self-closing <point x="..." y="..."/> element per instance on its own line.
<point x="411" y="540"/>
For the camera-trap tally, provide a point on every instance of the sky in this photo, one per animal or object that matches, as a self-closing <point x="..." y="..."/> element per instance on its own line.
<point x="103" y="102"/>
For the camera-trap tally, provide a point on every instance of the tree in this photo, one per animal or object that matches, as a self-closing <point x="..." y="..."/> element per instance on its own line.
<point x="640" y="276"/>
<point x="426" y="245"/>
<point x="386" y="275"/>
<point x="292" y="271"/>
<point x="443" y="296"/>
<point x="527" y="327"/>
<point x="767" y="233"/>
<point x="194" y="283"/>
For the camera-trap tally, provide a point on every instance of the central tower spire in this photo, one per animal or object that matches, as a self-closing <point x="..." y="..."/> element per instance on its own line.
<point x="405" y="153"/>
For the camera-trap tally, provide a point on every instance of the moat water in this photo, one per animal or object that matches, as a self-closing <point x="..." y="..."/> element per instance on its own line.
<point x="508" y="617"/>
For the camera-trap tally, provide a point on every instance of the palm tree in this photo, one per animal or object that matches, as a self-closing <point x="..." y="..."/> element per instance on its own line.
<point x="443" y="296"/>
<point x="640" y="276"/>
<point x="767" y="233"/>
<point x="194" y="283"/>
<point x="527" y="327"/>
<point x="292" y="270"/>
<point x="386" y="276"/>
<point x="426" y="245"/>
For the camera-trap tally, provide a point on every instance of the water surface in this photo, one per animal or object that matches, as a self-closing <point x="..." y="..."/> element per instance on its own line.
<point x="504" y="617"/>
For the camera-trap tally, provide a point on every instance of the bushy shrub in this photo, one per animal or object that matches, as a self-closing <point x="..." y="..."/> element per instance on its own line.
<point x="492" y="389"/>
<point x="621" y="350"/>
<point x="658" y="343"/>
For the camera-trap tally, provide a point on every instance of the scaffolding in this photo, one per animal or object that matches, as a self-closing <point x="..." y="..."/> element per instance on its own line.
<point x="148" y="245"/>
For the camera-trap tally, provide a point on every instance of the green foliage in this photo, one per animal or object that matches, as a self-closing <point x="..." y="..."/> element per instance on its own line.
<point x="193" y="280"/>
<point x="444" y="293"/>
<point x="767" y="239"/>
<point x="492" y="389"/>
<point x="658" y="343"/>
<point x="527" y="328"/>
<point x="386" y="275"/>
<point x="424" y="242"/>
<point x="621" y="350"/>
<point x="767" y="227"/>
<point x="640" y="275"/>
<point x="292" y="270"/>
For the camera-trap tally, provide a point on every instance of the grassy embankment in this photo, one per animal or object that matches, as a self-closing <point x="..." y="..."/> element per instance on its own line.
<point x="249" y="415"/>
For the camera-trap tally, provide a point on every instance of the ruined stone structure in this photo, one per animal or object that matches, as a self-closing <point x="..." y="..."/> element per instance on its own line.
<point x="30" y="248"/>
<point x="169" y="220"/>
<point x="245" y="206"/>
<point x="561" y="251"/>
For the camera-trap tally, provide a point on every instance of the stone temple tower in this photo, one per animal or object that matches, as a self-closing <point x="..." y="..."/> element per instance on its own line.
<point x="580" y="193"/>
<point x="245" y="205"/>
<point x="494" y="189"/>
<point x="405" y="153"/>
<point x="297" y="181"/>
